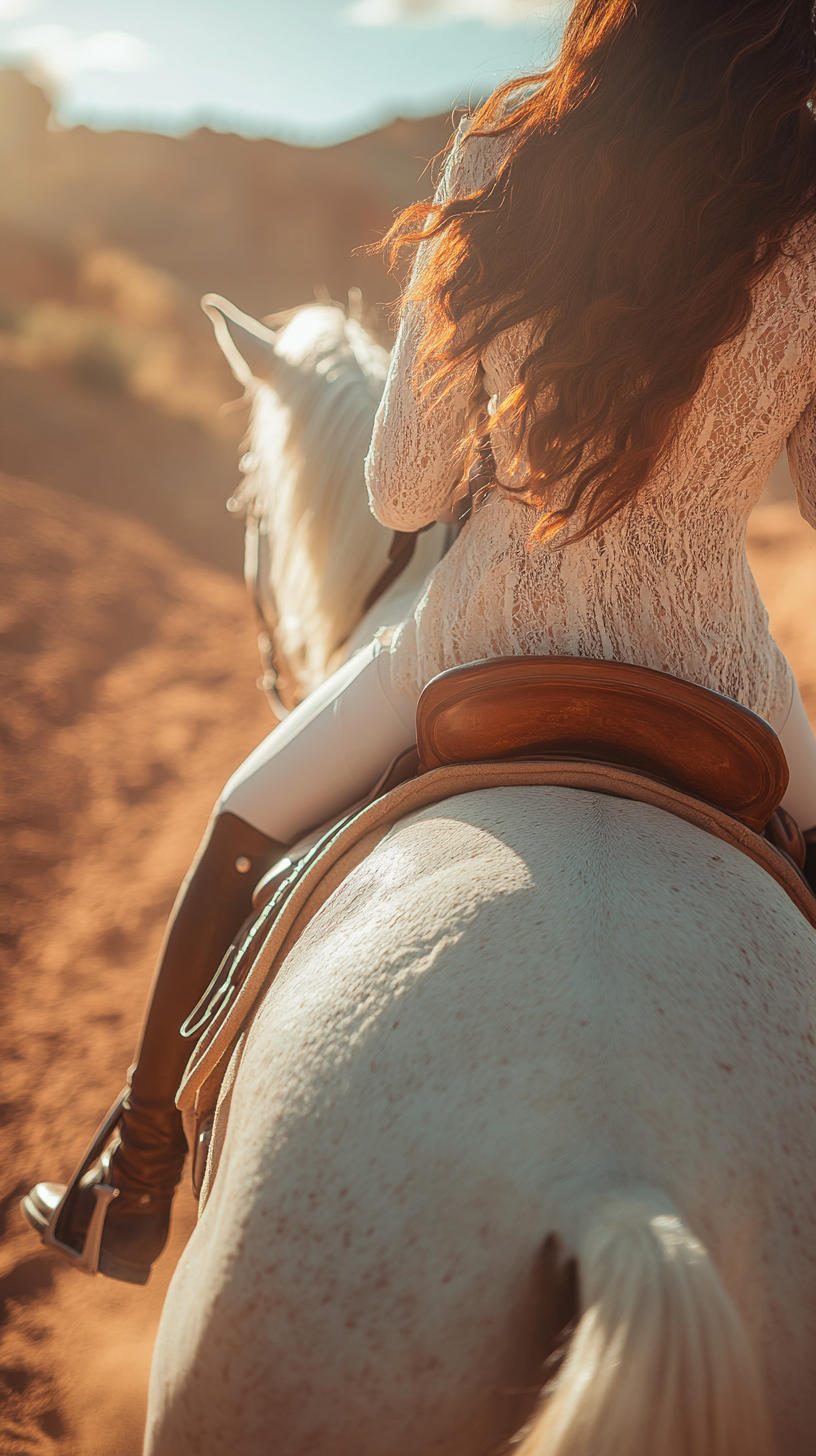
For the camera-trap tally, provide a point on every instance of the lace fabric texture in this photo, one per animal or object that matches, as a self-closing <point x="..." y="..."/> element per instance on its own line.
<point x="666" y="584"/>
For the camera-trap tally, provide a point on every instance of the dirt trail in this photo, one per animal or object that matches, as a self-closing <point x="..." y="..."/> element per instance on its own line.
<point x="126" y="697"/>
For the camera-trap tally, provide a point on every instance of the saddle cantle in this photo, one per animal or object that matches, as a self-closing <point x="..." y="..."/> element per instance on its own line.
<point x="681" y="734"/>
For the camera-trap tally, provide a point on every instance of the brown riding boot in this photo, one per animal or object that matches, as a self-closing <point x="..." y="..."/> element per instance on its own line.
<point x="114" y="1216"/>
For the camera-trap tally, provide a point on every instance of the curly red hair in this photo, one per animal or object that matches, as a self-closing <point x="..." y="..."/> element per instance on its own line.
<point x="650" y="179"/>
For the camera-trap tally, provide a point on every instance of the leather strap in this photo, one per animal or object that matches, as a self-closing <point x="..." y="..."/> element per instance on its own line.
<point x="402" y="548"/>
<point x="359" y="836"/>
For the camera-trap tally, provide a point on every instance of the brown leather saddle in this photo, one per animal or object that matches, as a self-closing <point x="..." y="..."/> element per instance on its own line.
<point x="681" y="735"/>
<point x="606" y="712"/>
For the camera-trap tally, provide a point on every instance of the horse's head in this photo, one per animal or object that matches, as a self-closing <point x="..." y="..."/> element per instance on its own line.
<point x="313" y="549"/>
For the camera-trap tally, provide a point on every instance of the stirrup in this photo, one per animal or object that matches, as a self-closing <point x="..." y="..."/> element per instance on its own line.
<point x="86" y="1259"/>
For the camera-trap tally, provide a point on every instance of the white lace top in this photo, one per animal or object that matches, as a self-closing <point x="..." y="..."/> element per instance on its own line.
<point x="666" y="586"/>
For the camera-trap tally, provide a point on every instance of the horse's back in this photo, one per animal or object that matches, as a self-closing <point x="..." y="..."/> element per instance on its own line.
<point x="524" y="999"/>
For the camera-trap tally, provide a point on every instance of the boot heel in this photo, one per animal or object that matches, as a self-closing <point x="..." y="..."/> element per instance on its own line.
<point x="121" y="1269"/>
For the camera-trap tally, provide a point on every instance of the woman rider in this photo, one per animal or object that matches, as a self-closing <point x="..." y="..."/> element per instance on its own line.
<point x="622" y="254"/>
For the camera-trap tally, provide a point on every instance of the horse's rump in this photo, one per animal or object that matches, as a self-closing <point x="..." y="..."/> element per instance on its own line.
<point x="525" y="1000"/>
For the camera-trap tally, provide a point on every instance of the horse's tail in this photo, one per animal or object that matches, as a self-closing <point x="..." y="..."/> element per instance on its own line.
<point x="659" y="1364"/>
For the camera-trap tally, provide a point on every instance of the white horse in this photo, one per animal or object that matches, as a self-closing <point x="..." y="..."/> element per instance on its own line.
<point x="545" y="1056"/>
<point x="530" y="1103"/>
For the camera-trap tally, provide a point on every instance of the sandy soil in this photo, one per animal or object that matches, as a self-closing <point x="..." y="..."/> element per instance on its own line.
<point x="126" y="697"/>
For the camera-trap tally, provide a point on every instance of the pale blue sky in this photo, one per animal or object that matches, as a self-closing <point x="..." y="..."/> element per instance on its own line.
<point x="301" y="69"/>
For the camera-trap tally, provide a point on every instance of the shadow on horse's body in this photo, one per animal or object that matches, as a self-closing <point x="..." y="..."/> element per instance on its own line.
<point x="532" y="1017"/>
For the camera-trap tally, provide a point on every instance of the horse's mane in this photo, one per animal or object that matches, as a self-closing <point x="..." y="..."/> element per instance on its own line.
<point x="310" y="427"/>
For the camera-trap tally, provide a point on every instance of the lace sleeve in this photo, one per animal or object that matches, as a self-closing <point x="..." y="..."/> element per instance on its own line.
<point x="412" y="466"/>
<point x="802" y="461"/>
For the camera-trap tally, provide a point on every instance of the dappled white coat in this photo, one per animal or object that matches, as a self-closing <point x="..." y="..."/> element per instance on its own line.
<point x="532" y="1012"/>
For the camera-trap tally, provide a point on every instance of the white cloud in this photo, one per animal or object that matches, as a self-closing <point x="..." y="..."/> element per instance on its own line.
<point x="59" y="54"/>
<point x="440" y="12"/>
<point x="11" y="9"/>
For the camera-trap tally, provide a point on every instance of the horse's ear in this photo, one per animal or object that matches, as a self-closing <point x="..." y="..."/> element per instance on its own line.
<point x="221" y="314"/>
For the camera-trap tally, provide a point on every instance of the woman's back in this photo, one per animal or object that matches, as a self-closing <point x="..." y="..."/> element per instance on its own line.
<point x="664" y="582"/>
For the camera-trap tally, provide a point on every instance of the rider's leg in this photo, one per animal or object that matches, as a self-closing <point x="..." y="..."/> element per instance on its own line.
<point x="797" y="739"/>
<point x="145" y="1159"/>
<point x="214" y="900"/>
<point x="327" y="754"/>
<point x="322" y="758"/>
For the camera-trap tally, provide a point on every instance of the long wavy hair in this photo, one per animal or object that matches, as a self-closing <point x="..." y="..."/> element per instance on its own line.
<point x="648" y="181"/>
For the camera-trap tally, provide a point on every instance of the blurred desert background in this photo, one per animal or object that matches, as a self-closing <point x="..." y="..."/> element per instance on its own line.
<point x="127" y="644"/>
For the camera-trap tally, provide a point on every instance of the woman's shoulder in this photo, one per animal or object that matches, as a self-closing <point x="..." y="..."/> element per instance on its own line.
<point x="477" y="154"/>
<point x="474" y="159"/>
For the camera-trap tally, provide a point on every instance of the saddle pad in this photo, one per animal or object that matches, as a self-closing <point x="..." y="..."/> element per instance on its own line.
<point x="357" y="838"/>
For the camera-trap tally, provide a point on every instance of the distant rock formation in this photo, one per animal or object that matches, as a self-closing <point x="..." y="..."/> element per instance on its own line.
<point x="259" y="220"/>
<point x="110" y="383"/>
